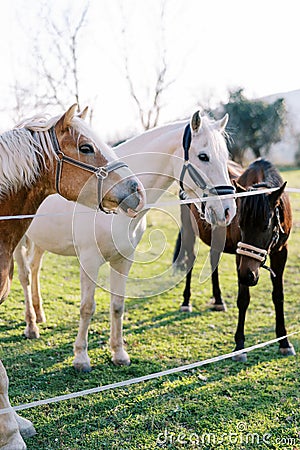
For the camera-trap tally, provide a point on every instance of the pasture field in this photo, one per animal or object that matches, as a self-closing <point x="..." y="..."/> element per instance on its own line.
<point x="225" y="405"/>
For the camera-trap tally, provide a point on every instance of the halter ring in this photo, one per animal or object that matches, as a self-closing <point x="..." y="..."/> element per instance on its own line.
<point x="101" y="173"/>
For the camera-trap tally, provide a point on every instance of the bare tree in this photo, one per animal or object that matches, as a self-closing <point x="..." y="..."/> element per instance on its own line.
<point x="55" y="57"/>
<point x="149" y="111"/>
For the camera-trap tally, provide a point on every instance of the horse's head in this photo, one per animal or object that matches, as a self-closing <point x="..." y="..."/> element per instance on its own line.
<point x="260" y="226"/>
<point x="88" y="171"/>
<point x="205" y="170"/>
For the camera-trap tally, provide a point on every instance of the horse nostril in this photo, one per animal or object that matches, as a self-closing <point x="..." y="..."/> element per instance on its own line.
<point x="227" y="214"/>
<point x="250" y="277"/>
<point x="132" y="185"/>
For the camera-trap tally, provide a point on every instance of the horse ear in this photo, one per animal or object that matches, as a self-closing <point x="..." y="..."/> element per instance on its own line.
<point x="83" y="113"/>
<point x="238" y="187"/>
<point x="196" y="122"/>
<point x="68" y="116"/>
<point x="221" y="124"/>
<point x="275" y="195"/>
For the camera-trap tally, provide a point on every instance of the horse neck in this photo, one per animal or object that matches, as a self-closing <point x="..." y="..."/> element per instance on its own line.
<point x="23" y="202"/>
<point x="151" y="157"/>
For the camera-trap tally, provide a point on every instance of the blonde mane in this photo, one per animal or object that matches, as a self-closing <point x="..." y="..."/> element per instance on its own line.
<point x="22" y="156"/>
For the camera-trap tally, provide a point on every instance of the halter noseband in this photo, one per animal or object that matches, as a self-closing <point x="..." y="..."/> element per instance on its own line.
<point x="261" y="254"/>
<point x="100" y="172"/>
<point x="195" y="174"/>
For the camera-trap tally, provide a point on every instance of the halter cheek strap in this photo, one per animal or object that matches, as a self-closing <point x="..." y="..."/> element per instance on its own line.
<point x="195" y="174"/>
<point x="100" y="172"/>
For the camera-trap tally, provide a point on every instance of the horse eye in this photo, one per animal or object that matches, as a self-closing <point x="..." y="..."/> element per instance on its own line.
<point x="203" y="157"/>
<point x="86" y="149"/>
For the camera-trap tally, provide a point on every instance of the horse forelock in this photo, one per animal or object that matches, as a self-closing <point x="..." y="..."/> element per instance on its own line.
<point x="254" y="211"/>
<point x="214" y="136"/>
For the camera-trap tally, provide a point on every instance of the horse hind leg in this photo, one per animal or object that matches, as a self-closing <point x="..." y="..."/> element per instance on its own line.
<point x="186" y="305"/>
<point x="35" y="266"/>
<point x="217" y="303"/>
<point x="20" y="255"/>
<point x="217" y="246"/>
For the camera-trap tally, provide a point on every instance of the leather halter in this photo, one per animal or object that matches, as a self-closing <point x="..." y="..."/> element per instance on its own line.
<point x="261" y="254"/>
<point x="100" y="172"/>
<point x="195" y="174"/>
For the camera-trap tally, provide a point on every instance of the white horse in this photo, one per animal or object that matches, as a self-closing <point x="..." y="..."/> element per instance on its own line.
<point x="102" y="238"/>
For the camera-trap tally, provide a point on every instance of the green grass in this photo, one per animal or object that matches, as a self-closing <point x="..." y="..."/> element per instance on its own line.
<point x="253" y="405"/>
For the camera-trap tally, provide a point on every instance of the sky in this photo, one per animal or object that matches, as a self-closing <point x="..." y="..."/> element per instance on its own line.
<point x="209" y="47"/>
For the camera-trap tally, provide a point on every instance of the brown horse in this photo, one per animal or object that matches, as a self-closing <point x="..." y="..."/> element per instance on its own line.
<point x="38" y="158"/>
<point x="263" y="224"/>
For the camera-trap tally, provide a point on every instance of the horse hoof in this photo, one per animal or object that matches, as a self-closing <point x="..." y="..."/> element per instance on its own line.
<point x="15" y="443"/>
<point x="121" y="361"/>
<point x="242" y="357"/>
<point x="82" y="367"/>
<point x="26" y="428"/>
<point x="288" y="351"/>
<point x="32" y="333"/>
<point x="213" y="306"/>
<point x="187" y="308"/>
<point x="40" y="318"/>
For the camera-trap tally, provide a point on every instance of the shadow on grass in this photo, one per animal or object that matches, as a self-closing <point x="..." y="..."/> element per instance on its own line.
<point x="144" y="410"/>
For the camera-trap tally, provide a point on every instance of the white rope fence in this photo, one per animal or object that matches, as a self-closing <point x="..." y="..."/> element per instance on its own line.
<point x="160" y="204"/>
<point x="137" y="380"/>
<point x="174" y="370"/>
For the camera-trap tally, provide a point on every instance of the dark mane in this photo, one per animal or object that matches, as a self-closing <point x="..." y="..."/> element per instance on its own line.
<point x="255" y="209"/>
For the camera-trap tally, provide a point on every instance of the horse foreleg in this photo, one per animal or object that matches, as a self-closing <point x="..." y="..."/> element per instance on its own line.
<point x="10" y="437"/>
<point x="87" y="308"/>
<point x="118" y="278"/>
<point x="278" y="261"/>
<point x="20" y="255"/>
<point x="243" y="301"/>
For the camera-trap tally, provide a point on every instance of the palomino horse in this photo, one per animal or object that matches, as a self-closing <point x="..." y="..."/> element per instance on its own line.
<point x="262" y="224"/>
<point x="38" y="158"/>
<point x="104" y="238"/>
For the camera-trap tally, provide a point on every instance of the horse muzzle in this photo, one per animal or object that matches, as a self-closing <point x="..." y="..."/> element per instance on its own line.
<point x="135" y="201"/>
<point x="248" y="277"/>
